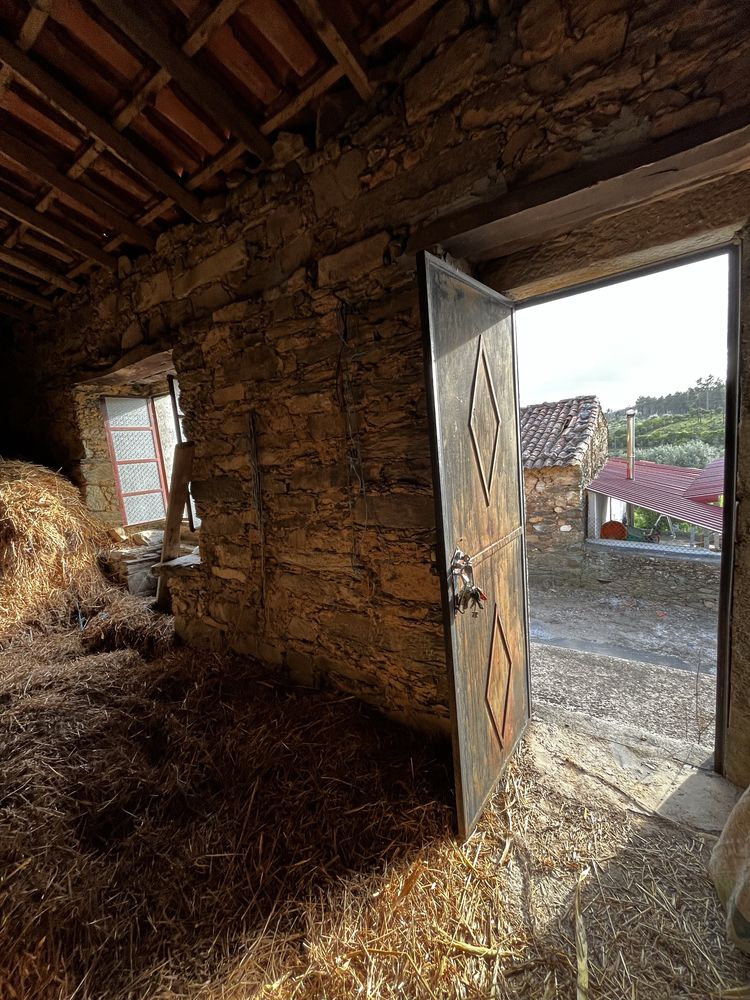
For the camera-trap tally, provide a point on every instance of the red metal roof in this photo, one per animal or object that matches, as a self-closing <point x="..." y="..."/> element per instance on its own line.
<point x="659" y="488"/>
<point x="709" y="484"/>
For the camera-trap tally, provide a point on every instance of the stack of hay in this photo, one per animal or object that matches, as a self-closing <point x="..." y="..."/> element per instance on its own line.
<point x="49" y="543"/>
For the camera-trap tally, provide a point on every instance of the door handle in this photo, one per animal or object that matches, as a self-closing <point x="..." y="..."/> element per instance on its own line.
<point x="466" y="593"/>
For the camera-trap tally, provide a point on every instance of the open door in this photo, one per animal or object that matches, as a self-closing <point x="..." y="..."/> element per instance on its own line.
<point x="478" y="482"/>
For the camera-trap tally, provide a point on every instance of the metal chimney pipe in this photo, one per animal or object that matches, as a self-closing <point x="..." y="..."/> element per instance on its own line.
<point x="631" y="443"/>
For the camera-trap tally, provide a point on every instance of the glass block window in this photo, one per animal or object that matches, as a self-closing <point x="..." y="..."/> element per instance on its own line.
<point x="136" y="458"/>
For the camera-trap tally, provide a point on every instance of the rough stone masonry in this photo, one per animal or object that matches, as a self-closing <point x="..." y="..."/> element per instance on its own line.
<point x="294" y="324"/>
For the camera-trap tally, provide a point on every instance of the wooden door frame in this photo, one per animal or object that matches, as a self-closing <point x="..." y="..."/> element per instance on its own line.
<point x="733" y="249"/>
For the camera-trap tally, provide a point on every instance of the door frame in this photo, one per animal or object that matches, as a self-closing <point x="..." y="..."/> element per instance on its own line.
<point x="733" y="250"/>
<point x="443" y="556"/>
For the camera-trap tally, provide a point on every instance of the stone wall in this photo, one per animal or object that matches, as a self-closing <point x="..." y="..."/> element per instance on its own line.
<point x="556" y="511"/>
<point x="295" y="327"/>
<point x="690" y="580"/>
<point x="554" y="521"/>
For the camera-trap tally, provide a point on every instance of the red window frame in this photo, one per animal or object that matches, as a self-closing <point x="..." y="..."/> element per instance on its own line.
<point x="116" y="463"/>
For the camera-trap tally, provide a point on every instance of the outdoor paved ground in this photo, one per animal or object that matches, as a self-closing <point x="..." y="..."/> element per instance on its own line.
<point x="638" y="664"/>
<point x="601" y="621"/>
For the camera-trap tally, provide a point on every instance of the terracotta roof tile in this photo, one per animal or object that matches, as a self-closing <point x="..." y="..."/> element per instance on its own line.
<point x="558" y="433"/>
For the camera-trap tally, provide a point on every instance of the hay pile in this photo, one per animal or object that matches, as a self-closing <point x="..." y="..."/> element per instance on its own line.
<point x="185" y="829"/>
<point x="119" y="620"/>
<point x="49" y="543"/>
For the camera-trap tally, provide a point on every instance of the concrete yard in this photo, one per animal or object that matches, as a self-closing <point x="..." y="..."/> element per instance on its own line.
<point x="643" y="667"/>
<point x="603" y="620"/>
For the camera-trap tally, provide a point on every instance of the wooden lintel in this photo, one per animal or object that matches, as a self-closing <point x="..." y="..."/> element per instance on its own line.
<point x="23" y="263"/>
<point x="202" y="88"/>
<point x="46" y="85"/>
<point x="32" y="160"/>
<point x="541" y="210"/>
<point x="43" y="224"/>
<point x="337" y="40"/>
<point x="17" y="292"/>
<point x="8" y="309"/>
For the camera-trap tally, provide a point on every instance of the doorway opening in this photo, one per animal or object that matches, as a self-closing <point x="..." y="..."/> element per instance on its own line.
<point x="628" y="443"/>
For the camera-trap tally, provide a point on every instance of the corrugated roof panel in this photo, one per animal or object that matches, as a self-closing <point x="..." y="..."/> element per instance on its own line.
<point x="659" y="488"/>
<point x="709" y="484"/>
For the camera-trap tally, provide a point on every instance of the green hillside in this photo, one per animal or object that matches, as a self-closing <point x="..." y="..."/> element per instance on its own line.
<point x="691" y="434"/>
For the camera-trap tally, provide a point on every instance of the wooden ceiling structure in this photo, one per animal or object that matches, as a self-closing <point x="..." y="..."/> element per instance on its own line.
<point x="119" y="118"/>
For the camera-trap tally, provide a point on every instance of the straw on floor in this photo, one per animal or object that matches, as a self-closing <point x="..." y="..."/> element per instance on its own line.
<point x="49" y="543"/>
<point x="185" y="828"/>
<point x="116" y="620"/>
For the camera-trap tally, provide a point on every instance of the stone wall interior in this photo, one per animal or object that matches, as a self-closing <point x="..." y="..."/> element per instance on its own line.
<point x="293" y="322"/>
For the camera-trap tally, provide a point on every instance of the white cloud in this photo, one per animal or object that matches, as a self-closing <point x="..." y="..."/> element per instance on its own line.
<point x="644" y="336"/>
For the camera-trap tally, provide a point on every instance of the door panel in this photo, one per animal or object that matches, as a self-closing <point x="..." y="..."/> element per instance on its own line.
<point x="473" y="400"/>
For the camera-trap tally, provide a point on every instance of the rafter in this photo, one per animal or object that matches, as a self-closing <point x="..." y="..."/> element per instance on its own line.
<point x="17" y="292"/>
<point x="23" y="263"/>
<point x="70" y="105"/>
<point x="202" y="88"/>
<point x="339" y="43"/>
<point x="43" y="224"/>
<point x="8" y="309"/>
<point x="38" y="164"/>
<point x="197" y="38"/>
<point x="234" y="150"/>
<point x="28" y="34"/>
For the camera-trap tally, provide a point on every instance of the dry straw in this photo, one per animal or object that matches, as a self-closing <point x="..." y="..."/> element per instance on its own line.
<point x="185" y="828"/>
<point x="118" y="620"/>
<point x="49" y="543"/>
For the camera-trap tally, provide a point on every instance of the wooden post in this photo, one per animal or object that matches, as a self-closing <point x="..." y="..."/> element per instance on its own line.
<point x="178" y="496"/>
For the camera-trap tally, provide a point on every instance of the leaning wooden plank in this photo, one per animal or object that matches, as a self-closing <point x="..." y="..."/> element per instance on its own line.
<point x="178" y="497"/>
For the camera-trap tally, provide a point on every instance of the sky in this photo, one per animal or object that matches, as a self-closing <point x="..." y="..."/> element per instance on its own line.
<point x="646" y="336"/>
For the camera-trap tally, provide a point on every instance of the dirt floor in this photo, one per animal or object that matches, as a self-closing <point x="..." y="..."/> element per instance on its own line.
<point x="183" y="828"/>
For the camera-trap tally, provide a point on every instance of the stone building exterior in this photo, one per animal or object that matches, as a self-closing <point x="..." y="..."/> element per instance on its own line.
<point x="294" y="325"/>
<point x="563" y="445"/>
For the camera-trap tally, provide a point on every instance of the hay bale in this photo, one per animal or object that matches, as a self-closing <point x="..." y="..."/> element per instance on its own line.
<point x="125" y="621"/>
<point x="49" y="543"/>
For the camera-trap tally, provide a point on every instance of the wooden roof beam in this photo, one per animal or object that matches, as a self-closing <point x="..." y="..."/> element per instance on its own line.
<point x="202" y="88"/>
<point x="234" y="150"/>
<point x="23" y="263"/>
<point x="43" y="224"/>
<point x="17" y="292"/>
<point x="199" y="34"/>
<point x="38" y="164"/>
<point x="46" y="85"/>
<point x="8" y="309"/>
<point x="339" y="43"/>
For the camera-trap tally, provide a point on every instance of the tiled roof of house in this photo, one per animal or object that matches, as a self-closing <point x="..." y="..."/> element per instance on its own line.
<point x="558" y="433"/>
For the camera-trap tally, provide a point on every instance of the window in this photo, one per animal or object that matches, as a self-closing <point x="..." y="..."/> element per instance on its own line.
<point x="137" y="459"/>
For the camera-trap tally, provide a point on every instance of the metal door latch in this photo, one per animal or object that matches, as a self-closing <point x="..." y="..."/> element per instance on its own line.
<point x="466" y="594"/>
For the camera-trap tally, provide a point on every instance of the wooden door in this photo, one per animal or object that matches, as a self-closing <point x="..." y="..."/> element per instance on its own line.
<point x="478" y="482"/>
